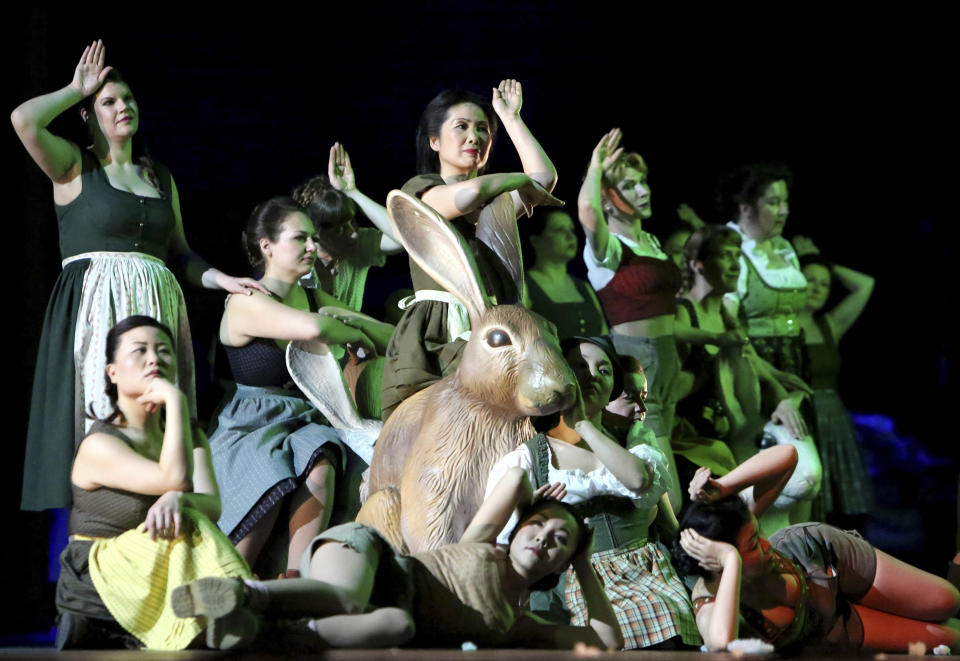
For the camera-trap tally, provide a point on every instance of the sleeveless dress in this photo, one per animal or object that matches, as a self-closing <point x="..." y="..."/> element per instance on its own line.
<point x="644" y="589"/>
<point x="111" y="571"/>
<point x="577" y="318"/>
<point x="268" y="437"/>
<point x="847" y="488"/>
<point x="429" y="339"/>
<point x="114" y="245"/>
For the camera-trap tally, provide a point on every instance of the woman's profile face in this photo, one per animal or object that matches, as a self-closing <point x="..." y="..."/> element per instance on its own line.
<point x="295" y="248"/>
<point x="594" y="372"/>
<point x="754" y="550"/>
<point x="464" y="142"/>
<point x="544" y="542"/>
<point x="722" y="268"/>
<point x="558" y="241"/>
<point x="631" y="405"/>
<point x="117" y="113"/>
<point x="818" y="286"/>
<point x="634" y="190"/>
<point x="766" y="217"/>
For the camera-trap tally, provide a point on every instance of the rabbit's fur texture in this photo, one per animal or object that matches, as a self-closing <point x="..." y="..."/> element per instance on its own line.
<point x="431" y="461"/>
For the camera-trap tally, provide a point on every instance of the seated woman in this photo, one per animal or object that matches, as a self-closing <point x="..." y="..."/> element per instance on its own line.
<point x="362" y="594"/>
<point x="618" y="489"/>
<point x="810" y="583"/>
<point x="144" y="494"/>
<point x="567" y="301"/>
<point x="847" y="492"/>
<point x="271" y="444"/>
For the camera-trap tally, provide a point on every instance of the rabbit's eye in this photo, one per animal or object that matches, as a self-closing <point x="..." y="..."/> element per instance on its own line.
<point x="498" y="338"/>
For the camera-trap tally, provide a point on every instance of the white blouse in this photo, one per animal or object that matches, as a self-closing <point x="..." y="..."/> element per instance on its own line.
<point x="581" y="485"/>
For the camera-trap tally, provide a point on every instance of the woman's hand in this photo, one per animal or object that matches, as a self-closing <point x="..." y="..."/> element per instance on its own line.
<point x="90" y="72"/>
<point x="608" y="150"/>
<point x="788" y="415"/>
<point x="239" y="285"/>
<point x="164" y="518"/>
<point x="340" y="170"/>
<point x="793" y="382"/>
<point x="732" y="338"/>
<point x="686" y="214"/>
<point x="159" y="392"/>
<point x="347" y="316"/>
<point x="555" y="491"/>
<point x="803" y="245"/>
<point x="533" y="194"/>
<point x="704" y="489"/>
<point x="709" y="553"/>
<point x="507" y="99"/>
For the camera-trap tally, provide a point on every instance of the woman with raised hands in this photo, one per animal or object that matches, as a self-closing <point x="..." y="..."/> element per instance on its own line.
<point x="144" y="501"/>
<point x="454" y="140"/>
<point x="119" y="217"/>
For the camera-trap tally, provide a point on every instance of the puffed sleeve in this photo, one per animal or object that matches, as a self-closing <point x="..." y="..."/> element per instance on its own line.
<point x="519" y="458"/>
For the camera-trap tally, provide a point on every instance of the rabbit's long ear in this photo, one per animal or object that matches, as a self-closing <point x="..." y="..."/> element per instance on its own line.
<point x="439" y="250"/>
<point x="497" y="227"/>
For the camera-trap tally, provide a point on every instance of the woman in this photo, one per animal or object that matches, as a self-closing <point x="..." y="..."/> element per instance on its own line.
<point x="144" y="494"/>
<point x="771" y="289"/>
<point x="847" y="491"/>
<point x="568" y="302"/>
<point x="119" y="218"/>
<point x="362" y="594"/>
<point x="270" y="442"/>
<point x="809" y="583"/>
<point x="618" y="489"/>
<point x="454" y="139"/>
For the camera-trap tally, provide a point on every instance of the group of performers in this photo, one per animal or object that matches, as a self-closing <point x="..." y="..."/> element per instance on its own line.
<point x="709" y="360"/>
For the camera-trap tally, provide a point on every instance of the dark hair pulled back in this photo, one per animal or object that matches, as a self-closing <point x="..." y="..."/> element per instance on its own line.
<point x="746" y="185"/>
<point x="432" y="120"/>
<point x="720" y="521"/>
<point x="584" y="534"/>
<point x="265" y="223"/>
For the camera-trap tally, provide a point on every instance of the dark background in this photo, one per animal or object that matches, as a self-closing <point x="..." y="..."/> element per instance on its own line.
<point x="243" y="106"/>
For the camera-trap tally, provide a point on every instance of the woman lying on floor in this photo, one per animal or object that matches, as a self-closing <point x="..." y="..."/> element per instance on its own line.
<point x="810" y="583"/>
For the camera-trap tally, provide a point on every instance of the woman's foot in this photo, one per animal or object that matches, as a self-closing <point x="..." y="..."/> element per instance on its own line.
<point x="213" y="597"/>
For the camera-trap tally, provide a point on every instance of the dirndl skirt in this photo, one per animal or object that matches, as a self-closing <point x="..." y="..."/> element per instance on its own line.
<point x="645" y="591"/>
<point x="91" y="294"/>
<point x="847" y="488"/>
<point x="266" y="442"/>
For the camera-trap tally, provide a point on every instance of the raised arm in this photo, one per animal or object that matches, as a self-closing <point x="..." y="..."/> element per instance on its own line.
<point x="463" y="197"/>
<point x="718" y="620"/>
<point x="767" y="472"/>
<point x="590" y="199"/>
<point x="860" y="287"/>
<point x="507" y="101"/>
<point x="340" y="173"/>
<point x="104" y="460"/>
<point x="58" y="158"/>
<point x="513" y="491"/>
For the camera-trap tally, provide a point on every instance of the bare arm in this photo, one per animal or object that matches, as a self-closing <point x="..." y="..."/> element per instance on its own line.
<point x="340" y="173"/>
<point x="860" y="286"/>
<point x="205" y="496"/>
<point x="104" y="460"/>
<point x="58" y="158"/>
<point x="257" y="315"/>
<point x="628" y="468"/>
<point x="718" y="621"/>
<point x="463" y="197"/>
<point x="507" y="101"/>
<point x="512" y="492"/>
<point x="767" y="472"/>
<point x="378" y="331"/>
<point x="590" y="198"/>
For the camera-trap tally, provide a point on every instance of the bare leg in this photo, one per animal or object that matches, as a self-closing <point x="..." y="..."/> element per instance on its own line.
<point x="310" y="510"/>
<point x="384" y="627"/>
<point x="892" y="633"/>
<point x="903" y="589"/>
<point x="251" y="545"/>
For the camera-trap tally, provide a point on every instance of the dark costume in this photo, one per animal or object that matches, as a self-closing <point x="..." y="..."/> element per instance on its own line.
<point x="114" y="245"/>
<point x="579" y="318"/>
